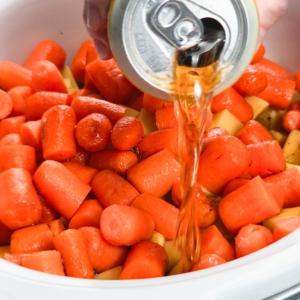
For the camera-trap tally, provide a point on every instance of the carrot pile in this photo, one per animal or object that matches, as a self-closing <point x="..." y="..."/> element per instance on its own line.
<point x="89" y="172"/>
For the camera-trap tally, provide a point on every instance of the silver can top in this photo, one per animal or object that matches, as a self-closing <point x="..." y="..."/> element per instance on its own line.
<point x="145" y="34"/>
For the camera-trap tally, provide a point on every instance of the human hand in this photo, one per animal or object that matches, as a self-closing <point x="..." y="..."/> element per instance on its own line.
<point x="95" y="18"/>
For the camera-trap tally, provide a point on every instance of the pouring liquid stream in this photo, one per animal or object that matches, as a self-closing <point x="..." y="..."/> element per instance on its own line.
<point x="193" y="90"/>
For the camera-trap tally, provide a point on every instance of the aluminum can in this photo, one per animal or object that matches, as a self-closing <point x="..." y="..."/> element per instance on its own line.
<point x="145" y="34"/>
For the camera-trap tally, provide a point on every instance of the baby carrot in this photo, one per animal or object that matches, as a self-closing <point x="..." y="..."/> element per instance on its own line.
<point x="213" y="242"/>
<point x="297" y="80"/>
<point x="32" y="239"/>
<point x="164" y="215"/>
<point x="80" y="60"/>
<point x="230" y="99"/>
<point x="47" y="77"/>
<point x="235" y="211"/>
<point x="6" y="104"/>
<point x="103" y="256"/>
<point x="114" y="160"/>
<point x="145" y="260"/>
<point x="31" y="133"/>
<point x="12" y="139"/>
<point x="70" y="243"/>
<point x="251" y="238"/>
<point x="49" y="262"/>
<point x="252" y="82"/>
<point x="126" y="225"/>
<point x="5" y="234"/>
<point x="156" y="174"/>
<point x="151" y="104"/>
<point x="110" y="81"/>
<point x="15" y="258"/>
<point x="58" y="127"/>
<point x="46" y="50"/>
<point x="233" y="185"/>
<point x="19" y="96"/>
<point x="291" y="120"/>
<point x="279" y="92"/>
<point x="106" y="183"/>
<point x="84" y="106"/>
<point x="285" y="226"/>
<point x="93" y="132"/>
<point x="156" y="141"/>
<point x="126" y="133"/>
<point x="39" y="103"/>
<point x="259" y="54"/>
<point x="81" y="156"/>
<point x="12" y="75"/>
<point x="60" y="187"/>
<point x="273" y="69"/>
<point x="207" y="261"/>
<point x="18" y="156"/>
<point x="88" y="214"/>
<point x="48" y="212"/>
<point x="165" y="118"/>
<point x="11" y="125"/>
<point x="253" y="132"/>
<point x="224" y="159"/>
<point x="211" y="135"/>
<point x="20" y="205"/>
<point x="83" y="172"/>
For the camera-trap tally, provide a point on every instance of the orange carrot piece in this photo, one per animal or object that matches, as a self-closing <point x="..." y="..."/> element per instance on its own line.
<point x="12" y="75"/>
<point x="46" y="50"/>
<point x="6" y="104"/>
<point x="126" y="133"/>
<point x="20" y="205"/>
<point x="213" y="242"/>
<point x="297" y="80"/>
<point x="266" y="159"/>
<point x="136" y="103"/>
<point x="157" y="141"/>
<point x="273" y="69"/>
<point x="294" y="106"/>
<point x="252" y="82"/>
<point x="39" y="103"/>
<point x="151" y="104"/>
<point x="277" y="192"/>
<point x="48" y="212"/>
<point x="284" y="227"/>
<point x="31" y="133"/>
<point x="60" y="187"/>
<point x="49" y="262"/>
<point x="207" y="261"/>
<point x="103" y="256"/>
<point x="165" y="118"/>
<point x="19" y="96"/>
<point x="224" y="159"/>
<point x="235" y="210"/>
<point x="93" y="132"/>
<point x="251" y="238"/>
<point x="164" y="215"/>
<point x="253" y="132"/>
<point x="84" y="106"/>
<point x="211" y="135"/>
<point x="230" y="99"/>
<point x="289" y="181"/>
<point x="88" y="214"/>
<point x="259" y="54"/>
<point x="145" y="260"/>
<point x="58" y="128"/>
<point x="156" y="174"/>
<point x="83" y="172"/>
<point x="279" y="92"/>
<point x="11" y="125"/>
<point x="79" y="61"/>
<point x="12" y="139"/>
<point x="117" y="223"/>
<point x="206" y="214"/>
<point x="5" y="234"/>
<point x="33" y="238"/>
<point x="71" y="244"/>
<point x="233" y="185"/>
<point x="81" y="156"/>
<point x="15" y="258"/>
<point x="291" y="120"/>
<point x="110" y="188"/>
<point x="17" y="156"/>
<point x="114" y="160"/>
<point x="110" y="81"/>
<point x="91" y="53"/>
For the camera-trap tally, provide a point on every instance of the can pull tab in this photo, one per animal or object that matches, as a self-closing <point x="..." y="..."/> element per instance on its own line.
<point x="177" y="24"/>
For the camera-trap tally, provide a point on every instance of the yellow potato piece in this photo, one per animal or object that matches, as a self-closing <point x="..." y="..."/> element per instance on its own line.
<point x="158" y="238"/>
<point x="112" y="274"/>
<point x="279" y="136"/>
<point x="258" y="105"/>
<point x="147" y="120"/>
<point x="291" y="148"/>
<point x="173" y="254"/>
<point x="69" y="80"/>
